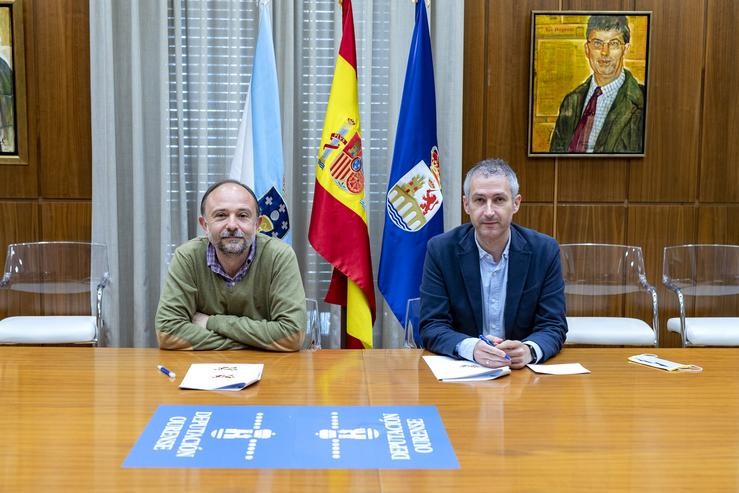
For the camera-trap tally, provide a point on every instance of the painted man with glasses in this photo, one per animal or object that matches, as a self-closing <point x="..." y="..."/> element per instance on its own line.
<point x="605" y="114"/>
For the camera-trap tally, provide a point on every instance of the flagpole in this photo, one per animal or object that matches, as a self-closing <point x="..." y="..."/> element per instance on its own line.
<point x="338" y="227"/>
<point x="414" y="199"/>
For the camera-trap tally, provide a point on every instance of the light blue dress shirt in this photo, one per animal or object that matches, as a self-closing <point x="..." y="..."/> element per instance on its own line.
<point x="603" y="105"/>
<point x="493" y="281"/>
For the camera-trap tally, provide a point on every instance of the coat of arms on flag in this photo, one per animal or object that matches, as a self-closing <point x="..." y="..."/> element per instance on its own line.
<point x="346" y="167"/>
<point x="274" y="220"/>
<point x="414" y="199"/>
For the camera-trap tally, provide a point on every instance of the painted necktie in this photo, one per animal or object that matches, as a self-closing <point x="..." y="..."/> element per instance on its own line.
<point x="579" y="142"/>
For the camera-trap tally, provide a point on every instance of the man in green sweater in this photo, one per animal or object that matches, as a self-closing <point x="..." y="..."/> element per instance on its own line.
<point x="233" y="288"/>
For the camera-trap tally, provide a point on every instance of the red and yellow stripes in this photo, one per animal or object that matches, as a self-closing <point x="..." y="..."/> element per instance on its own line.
<point x="338" y="225"/>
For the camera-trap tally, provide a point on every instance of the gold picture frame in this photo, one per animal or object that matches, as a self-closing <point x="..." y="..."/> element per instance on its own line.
<point x="13" y="110"/>
<point x="576" y="55"/>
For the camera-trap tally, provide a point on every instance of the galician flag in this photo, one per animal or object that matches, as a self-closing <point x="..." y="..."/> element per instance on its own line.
<point x="414" y="201"/>
<point x="338" y="223"/>
<point x="257" y="160"/>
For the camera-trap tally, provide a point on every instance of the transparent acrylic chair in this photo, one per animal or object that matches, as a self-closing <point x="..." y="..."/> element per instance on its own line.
<point x="312" y="339"/>
<point x="604" y="285"/>
<point x="54" y="292"/>
<point x="705" y="280"/>
<point x="412" y="338"/>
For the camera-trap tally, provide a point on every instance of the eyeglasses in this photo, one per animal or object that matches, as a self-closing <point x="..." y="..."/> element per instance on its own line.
<point x="613" y="44"/>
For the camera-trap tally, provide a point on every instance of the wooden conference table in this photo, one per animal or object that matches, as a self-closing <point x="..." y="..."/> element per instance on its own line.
<point x="69" y="417"/>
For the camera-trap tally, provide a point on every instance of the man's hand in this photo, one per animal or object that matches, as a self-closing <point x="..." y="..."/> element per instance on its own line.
<point x="518" y="351"/>
<point x="488" y="355"/>
<point x="494" y="357"/>
<point x="200" y="319"/>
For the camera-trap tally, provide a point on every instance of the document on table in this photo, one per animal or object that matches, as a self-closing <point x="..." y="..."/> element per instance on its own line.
<point x="221" y="376"/>
<point x="563" y="369"/>
<point x="449" y="369"/>
<point x="663" y="364"/>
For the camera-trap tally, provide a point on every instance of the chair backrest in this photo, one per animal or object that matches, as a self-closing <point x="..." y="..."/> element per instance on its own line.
<point x="412" y="338"/>
<point x="57" y="278"/>
<point x="312" y="339"/>
<point x="608" y="280"/>
<point x="705" y="279"/>
<point x="702" y="270"/>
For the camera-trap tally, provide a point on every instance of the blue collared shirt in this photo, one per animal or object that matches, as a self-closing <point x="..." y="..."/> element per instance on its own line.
<point x="603" y="105"/>
<point x="493" y="280"/>
<point x="494" y="283"/>
<point x="212" y="260"/>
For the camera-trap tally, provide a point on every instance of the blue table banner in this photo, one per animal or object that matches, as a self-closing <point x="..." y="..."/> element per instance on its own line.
<point x="294" y="437"/>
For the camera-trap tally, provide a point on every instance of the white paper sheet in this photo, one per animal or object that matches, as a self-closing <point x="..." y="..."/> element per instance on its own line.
<point x="563" y="369"/>
<point x="221" y="376"/>
<point x="449" y="369"/>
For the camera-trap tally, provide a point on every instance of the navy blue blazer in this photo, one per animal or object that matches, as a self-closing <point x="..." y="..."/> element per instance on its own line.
<point x="451" y="293"/>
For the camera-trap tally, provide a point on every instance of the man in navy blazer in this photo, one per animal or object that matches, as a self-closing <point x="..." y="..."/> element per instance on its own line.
<point x="492" y="291"/>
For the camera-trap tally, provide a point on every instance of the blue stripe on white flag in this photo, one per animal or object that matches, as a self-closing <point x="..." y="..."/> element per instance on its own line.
<point x="258" y="160"/>
<point x="414" y="200"/>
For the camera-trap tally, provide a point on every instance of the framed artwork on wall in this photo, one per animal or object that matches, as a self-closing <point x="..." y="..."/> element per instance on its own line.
<point x="13" y="116"/>
<point x="588" y="83"/>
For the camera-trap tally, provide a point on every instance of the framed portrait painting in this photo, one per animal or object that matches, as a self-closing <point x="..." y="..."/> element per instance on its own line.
<point x="13" y="128"/>
<point x="588" y="84"/>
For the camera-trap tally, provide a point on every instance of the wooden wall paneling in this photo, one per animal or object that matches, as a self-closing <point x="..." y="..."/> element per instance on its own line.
<point x="507" y="94"/>
<point x="19" y="181"/>
<point x="653" y="227"/>
<point x="668" y="172"/>
<point x="719" y="169"/>
<point x="592" y="180"/>
<point x="70" y="221"/>
<point x="63" y="44"/>
<point x="536" y="216"/>
<point x="474" y="83"/>
<point x="591" y="224"/>
<point x="595" y="5"/>
<point x="19" y="224"/>
<point x="718" y="224"/>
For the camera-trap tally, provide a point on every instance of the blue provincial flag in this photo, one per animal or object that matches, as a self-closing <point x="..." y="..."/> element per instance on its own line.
<point x="414" y="199"/>
<point x="274" y="220"/>
<point x="258" y="160"/>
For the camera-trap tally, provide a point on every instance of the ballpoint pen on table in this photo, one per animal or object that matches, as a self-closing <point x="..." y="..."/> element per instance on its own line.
<point x="167" y="372"/>
<point x="653" y="362"/>
<point x="490" y="343"/>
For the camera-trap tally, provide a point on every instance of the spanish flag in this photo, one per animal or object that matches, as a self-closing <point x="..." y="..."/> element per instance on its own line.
<point x="338" y="223"/>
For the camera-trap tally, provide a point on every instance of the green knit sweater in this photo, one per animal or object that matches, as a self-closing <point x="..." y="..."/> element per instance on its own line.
<point x="265" y="310"/>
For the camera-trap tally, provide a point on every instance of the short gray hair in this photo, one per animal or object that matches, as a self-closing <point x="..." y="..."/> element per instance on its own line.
<point x="488" y="168"/>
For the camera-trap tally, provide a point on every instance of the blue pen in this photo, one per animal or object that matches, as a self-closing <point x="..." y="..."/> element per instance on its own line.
<point x="167" y="372"/>
<point x="489" y="343"/>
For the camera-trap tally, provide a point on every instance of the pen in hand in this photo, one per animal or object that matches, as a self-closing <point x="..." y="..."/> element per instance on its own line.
<point x="167" y="372"/>
<point x="490" y="343"/>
